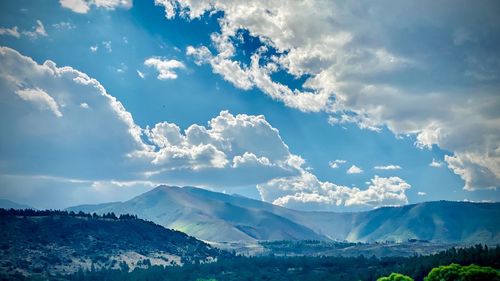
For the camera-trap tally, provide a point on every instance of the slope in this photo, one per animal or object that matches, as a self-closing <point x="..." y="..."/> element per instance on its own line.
<point x="210" y="216"/>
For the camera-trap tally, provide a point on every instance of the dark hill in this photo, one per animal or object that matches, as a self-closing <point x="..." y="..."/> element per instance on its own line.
<point x="43" y="242"/>
<point x="8" y="204"/>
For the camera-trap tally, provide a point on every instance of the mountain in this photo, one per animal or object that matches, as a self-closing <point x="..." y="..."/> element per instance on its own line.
<point x="7" y="204"/>
<point x="441" y="221"/>
<point x="218" y="217"/>
<point x="58" y="242"/>
<point x="209" y="216"/>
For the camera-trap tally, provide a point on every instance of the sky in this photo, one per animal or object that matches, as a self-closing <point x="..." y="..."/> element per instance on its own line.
<point x="312" y="105"/>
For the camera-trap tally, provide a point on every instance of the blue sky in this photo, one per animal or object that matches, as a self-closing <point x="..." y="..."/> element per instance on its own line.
<point x="391" y="89"/>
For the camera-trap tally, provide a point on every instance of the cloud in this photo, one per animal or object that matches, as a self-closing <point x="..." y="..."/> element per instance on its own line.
<point x="250" y="159"/>
<point x="164" y="67"/>
<point x="470" y="168"/>
<point x="354" y="170"/>
<point x="107" y="46"/>
<point x="307" y="192"/>
<point x="94" y="48"/>
<point x="38" y="31"/>
<point x="41" y="99"/>
<point x="388" y="167"/>
<point x="336" y="163"/>
<point x="64" y="25"/>
<point x="10" y="31"/>
<point x="60" y="122"/>
<point x="83" y="6"/>
<point x="121" y="68"/>
<point x="361" y="66"/>
<point x="223" y="153"/>
<point x="420" y="193"/>
<point x="68" y="112"/>
<point x="436" y="164"/>
<point x="255" y="75"/>
<point x="85" y="137"/>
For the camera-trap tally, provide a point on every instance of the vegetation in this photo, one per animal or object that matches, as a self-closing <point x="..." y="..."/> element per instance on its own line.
<point x="77" y="246"/>
<point x="452" y="272"/>
<point x="52" y="242"/>
<point x="456" y="272"/>
<point x="348" y="249"/>
<point x="396" y="277"/>
<point x="303" y="247"/>
<point x="306" y="268"/>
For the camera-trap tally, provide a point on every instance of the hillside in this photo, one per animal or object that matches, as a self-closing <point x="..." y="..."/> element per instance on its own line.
<point x="441" y="221"/>
<point x="50" y="242"/>
<point x="7" y="204"/>
<point x="218" y="217"/>
<point x="209" y="215"/>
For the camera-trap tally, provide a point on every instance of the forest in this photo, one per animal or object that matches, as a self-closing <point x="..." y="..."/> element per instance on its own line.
<point x="309" y="268"/>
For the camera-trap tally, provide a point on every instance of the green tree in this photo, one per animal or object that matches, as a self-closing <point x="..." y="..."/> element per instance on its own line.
<point x="456" y="272"/>
<point x="395" y="277"/>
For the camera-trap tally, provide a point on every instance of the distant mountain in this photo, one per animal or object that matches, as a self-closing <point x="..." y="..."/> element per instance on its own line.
<point x="209" y="216"/>
<point x="440" y="221"/>
<point x="7" y="204"/>
<point x="38" y="243"/>
<point x="218" y="217"/>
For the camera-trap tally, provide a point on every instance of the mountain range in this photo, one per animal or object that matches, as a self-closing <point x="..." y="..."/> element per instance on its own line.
<point x="218" y="217"/>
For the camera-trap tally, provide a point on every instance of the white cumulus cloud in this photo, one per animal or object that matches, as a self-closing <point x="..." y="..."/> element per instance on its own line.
<point x="336" y="163"/>
<point x="436" y="164"/>
<point x="165" y="68"/>
<point x="307" y="192"/>
<point x="354" y="170"/>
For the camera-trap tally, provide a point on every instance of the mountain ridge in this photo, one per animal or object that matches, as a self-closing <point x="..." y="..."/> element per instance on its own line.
<point x="218" y="217"/>
<point x="9" y="204"/>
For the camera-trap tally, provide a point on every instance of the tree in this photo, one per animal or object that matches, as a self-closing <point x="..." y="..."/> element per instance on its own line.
<point x="124" y="266"/>
<point x="395" y="277"/>
<point x="456" y="272"/>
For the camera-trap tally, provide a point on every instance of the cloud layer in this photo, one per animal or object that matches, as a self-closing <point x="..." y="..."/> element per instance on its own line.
<point x="58" y="121"/>
<point x="364" y="65"/>
<point x="60" y="125"/>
